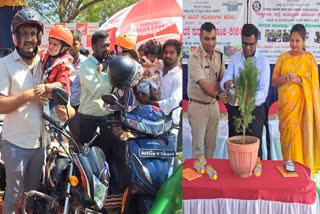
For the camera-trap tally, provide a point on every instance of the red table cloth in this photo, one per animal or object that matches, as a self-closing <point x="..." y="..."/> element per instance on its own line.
<point x="271" y="185"/>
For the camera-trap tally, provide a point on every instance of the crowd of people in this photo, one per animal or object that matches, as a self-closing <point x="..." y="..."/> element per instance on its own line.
<point x="295" y="75"/>
<point x="29" y="76"/>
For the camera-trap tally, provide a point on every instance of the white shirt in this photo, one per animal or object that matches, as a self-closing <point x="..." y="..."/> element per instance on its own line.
<point x="94" y="84"/>
<point x="263" y="66"/>
<point x="171" y="92"/>
<point x="22" y="126"/>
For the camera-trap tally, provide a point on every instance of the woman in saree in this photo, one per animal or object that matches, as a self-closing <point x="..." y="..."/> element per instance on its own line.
<point x="296" y="77"/>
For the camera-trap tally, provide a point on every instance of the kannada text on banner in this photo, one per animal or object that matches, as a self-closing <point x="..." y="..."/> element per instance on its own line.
<point x="227" y="16"/>
<point x="274" y="20"/>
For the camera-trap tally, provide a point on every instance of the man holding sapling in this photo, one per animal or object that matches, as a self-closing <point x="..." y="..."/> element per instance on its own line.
<point x="206" y="68"/>
<point x="249" y="37"/>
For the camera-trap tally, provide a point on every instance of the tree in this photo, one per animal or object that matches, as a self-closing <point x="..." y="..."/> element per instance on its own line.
<point x="68" y="11"/>
<point x="102" y="11"/>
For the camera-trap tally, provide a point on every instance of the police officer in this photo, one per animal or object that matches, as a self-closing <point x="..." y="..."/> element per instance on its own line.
<point x="205" y="70"/>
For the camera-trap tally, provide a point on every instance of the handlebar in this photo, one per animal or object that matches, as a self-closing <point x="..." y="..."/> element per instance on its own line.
<point x="50" y="120"/>
<point x="60" y="129"/>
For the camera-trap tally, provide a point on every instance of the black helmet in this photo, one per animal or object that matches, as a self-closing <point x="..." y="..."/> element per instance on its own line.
<point x="152" y="47"/>
<point x="124" y="72"/>
<point x="26" y="16"/>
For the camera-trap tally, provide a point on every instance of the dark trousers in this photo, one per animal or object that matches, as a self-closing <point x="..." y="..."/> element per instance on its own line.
<point x="255" y="127"/>
<point x="74" y="126"/>
<point x="112" y="148"/>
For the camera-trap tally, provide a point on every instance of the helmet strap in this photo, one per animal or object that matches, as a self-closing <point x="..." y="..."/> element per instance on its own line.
<point x="61" y="52"/>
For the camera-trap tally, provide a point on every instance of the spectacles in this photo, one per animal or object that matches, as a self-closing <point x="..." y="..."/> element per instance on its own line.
<point x="249" y="44"/>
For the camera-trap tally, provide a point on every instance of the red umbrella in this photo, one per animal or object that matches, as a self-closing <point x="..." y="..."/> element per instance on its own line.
<point x="146" y="19"/>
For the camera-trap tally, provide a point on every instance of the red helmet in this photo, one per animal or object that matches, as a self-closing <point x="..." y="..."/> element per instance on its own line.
<point x="152" y="47"/>
<point x="26" y="16"/>
<point x="62" y="33"/>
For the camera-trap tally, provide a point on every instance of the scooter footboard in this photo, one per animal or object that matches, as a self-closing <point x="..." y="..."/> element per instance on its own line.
<point x="149" y="161"/>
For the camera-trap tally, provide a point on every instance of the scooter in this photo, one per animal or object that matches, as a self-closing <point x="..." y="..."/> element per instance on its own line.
<point x="74" y="180"/>
<point x="150" y="156"/>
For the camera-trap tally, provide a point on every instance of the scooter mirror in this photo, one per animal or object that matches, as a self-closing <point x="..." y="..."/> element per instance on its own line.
<point x="60" y="96"/>
<point x="179" y="106"/>
<point x="110" y="99"/>
<point x="4" y="52"/>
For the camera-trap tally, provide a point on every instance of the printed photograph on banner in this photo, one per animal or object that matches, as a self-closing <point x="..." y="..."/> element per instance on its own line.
<point x="274" y="20"/>
<point x="228" y="17"/>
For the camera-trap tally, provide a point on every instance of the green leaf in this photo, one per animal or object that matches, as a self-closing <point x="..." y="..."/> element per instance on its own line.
<point x="246" y="87"/>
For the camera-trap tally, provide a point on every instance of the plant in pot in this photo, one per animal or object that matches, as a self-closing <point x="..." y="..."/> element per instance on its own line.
<point x="243" y="150"/>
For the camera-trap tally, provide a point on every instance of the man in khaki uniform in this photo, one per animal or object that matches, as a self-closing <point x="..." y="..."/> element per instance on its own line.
<point x="205" y="70"/>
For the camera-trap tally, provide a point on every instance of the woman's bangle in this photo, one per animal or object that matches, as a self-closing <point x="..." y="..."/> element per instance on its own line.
<point x="301" y="80"/>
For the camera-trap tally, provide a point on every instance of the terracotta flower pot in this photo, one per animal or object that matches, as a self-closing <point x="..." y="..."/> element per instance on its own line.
<point x="242" y="157"/>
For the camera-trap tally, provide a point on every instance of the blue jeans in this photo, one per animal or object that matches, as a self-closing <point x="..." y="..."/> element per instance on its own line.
<point x="23" y="172"/>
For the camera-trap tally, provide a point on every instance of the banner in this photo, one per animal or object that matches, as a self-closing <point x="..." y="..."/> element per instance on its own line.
<point x="275" y="18"/>
<point x="87" y="29"/>
<point x="227" y="15"/>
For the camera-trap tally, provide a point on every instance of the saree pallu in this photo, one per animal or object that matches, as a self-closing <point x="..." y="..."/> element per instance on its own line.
<point x="299" y="110"/>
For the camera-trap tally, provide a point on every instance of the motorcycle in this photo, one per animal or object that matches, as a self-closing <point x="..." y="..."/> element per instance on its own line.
<point x="73" y="180"/>
<point x="150" y="156"/>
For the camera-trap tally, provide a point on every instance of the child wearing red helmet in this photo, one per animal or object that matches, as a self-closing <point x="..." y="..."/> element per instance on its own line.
<point x="57" y="62"/>
<point x="58" y="69"/>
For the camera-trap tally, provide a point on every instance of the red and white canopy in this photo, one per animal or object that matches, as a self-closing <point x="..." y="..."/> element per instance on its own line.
<point x="146" y="19"/>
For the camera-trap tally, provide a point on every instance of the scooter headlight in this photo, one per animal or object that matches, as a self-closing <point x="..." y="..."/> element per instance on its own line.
<point x="100" y="192"/>
<point x="153" y="127"/>
<point x="136" y="125"/>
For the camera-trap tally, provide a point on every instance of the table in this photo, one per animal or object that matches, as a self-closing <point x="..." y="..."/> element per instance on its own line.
<point x="221" y="147"/>
<point x="269" y="193"/>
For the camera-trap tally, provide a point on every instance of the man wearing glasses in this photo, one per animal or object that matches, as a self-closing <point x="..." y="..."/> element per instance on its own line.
<point x="249" y="37"/>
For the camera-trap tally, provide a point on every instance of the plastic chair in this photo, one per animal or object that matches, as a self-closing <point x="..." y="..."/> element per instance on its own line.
<point x="223" y="108"/>
<point x="273" y="108"/>
<point x="185" y="105"/>
<point x="273" y="123"/>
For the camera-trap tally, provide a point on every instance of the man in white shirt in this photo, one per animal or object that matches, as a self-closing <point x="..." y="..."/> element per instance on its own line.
<point x="170" y="80"/>
<point x="21" y="148"/>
